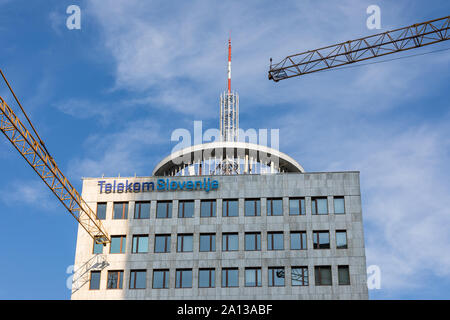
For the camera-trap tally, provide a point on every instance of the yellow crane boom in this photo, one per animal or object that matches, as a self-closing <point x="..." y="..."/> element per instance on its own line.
<point x="414" y="36"/>
<point x="35" y="153"/>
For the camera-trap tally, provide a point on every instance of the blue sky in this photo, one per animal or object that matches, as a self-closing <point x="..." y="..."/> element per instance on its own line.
<point x="106" y="99"/>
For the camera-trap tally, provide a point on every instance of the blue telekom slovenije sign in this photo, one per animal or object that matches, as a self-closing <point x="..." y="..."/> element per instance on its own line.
<point x="161" y="185"/>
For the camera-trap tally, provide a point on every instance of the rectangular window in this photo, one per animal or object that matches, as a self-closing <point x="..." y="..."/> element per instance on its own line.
<point x="275" y="207"/>
<point x="252" y="207"/>
<point x="323" y="275"/>
<point x="184" y="243"/>
<point x="185" y="208"/>
<point x="142" y="210"/>
<point x="299" y="276"/>
<point x="341" y="239"/>
<point x="164" y="209"/>
<point x="230" y="242"/>
<point x="118" y="244"/>
<point x="97" y="248"/>
<point x="162" y="243"/>
<point x="343" y="275"/>
<point x="275" y="241"/>
<point x="120" y="210"/>
<point x="101" y="210"/>
<point x="138" y="279"/>
<point x="183" y="278"/>
<point x="160" y="279"/>
<point x="230" y="208"/>
<point x="140" y="243"/>
<point x="115" y="279"/>
<point x="297" y="206"/>
<point x="339" y="205"/>
<point x="208" y="208"/>
<point x="319" y="206"/>
<point x="207" y="242"/>
<point x="253" y="241"/>
<point x="230" y="277"/>
<point x="321" y="239"/>
<point x="253" y="277"/>
<point x="276" y="276"/>
<point x="206" y="278"/>
<point x="94" y="282"/>
<point x="298" y="240"/>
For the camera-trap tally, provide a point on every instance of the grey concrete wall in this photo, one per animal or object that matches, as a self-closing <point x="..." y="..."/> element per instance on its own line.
<point x="287" y="185"/>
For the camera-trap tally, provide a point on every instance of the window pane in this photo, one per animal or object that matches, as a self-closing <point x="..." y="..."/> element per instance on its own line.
<point x="184" y="243"/>
<point x="142" y="210"/>
<point x="98" y="248"/>
<point x="252" y="241"/>
<point x="206" y="278"/>
<point x="299" y="276"/>
<point x="162" y="243"/>
<point x="230" y="242"/>
<point x="101" y="211"/>
<point x="207" y="242"/>
<point x="323" y="275"/>
<point x="118" y="244"/>
<point x="297" y="206"/>
<point x="184" y="279"/>
<point x="94" y="284"/>
<point x="341" y="239"/>
<point x="321" y="239"/>
<point x="208" y="208"/>
<point x="276" y="277"/>
<point x="140" y="244"/>
<point x="164" y="209"/>
<point x="274" y="207"/>
<point x="115" y="279"/>
<point x="344" y="275"/>
<point x="230" y="208"/>
<point x="120" y="210"/>
<point x="298" y="240"/>
<point x="230" y="278"/>
<point x="275" y="241"/>
<point x="138" y="279"/>
<point x="252" y="207"/>
<point x="186" y="209"/>
<point x="319" y="206"/>
<point x="253" y="277"/>
<point x="339" y="206"/>
<point x="160" y="279"/>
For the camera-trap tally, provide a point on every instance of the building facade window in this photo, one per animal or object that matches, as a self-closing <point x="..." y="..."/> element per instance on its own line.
<point x="297" y="206"/>
<point x="322" y="275"/>
<point x="115" y="279"/>
<point x="160" y="279"/>
<point x="343" y="275"/>
<point x="101" y="210"/>
<point x="94" y="281"/>
<point x="275" y="241"/>
<point x="138" y="279"/>
<point x="252" y="207"/>
<point x="120" y="210"/>
<point x="162" y="243"/>
<point x="207" y="208"/>
<point x="253" y="241"/>
<point x="97" y="248"/>
<point x="183" y="278"/>
<point x="299" y="276"/>
<point x="207" y="242"/>
<point x="230" y="242"/>
<point x="319" y="205"/>
<point x="140" y="243"/>
<point x="118" y="244"/>
<point x="275" y="207"/>
<point x="185" y="209"/>
<point x="341" y="239"/>
<point x="164" y="209"/>
<point x="276" y="276"/>
<point x="230" y="208"/>
<point x="230" y="277"/>
<point x="184" y="242"/>
<point x="321" y="239"/>
<point x="339" y="205"/>
<point x="253" y="277"/>
<point x="142" y="210"/>
<point x="206" y="278"/>
<point x="298" y="240"/>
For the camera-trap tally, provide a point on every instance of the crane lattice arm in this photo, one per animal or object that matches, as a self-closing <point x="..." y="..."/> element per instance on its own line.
<point x="40" y="160"/>
<point x="414" y="36"/>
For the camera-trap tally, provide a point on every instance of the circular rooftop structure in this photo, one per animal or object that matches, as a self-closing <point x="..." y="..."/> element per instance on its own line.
<point x="224" y="158"/>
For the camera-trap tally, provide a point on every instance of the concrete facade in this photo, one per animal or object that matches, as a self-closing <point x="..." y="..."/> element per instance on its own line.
<point x="241" y="187"/>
